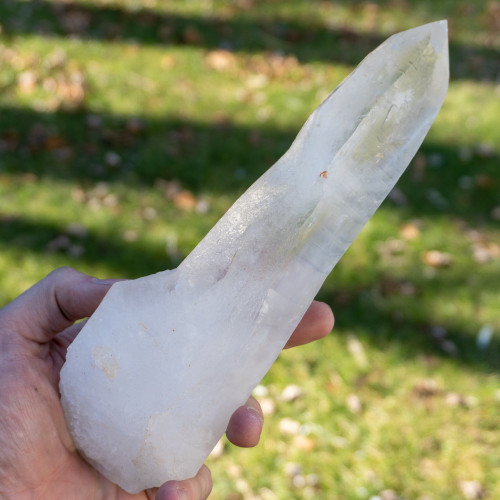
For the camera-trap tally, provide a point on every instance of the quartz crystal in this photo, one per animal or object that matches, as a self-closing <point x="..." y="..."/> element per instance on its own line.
<point x="151" y="381"/>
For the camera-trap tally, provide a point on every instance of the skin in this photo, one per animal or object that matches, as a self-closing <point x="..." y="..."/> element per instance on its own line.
<point x="38" y="458"/>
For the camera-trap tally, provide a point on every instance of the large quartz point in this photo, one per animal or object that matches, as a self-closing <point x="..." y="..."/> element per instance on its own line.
<point x="150" y="383"/>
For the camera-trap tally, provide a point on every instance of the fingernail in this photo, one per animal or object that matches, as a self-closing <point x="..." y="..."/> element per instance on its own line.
<point x="106" y="282"/>
<point x="256" y="413"/>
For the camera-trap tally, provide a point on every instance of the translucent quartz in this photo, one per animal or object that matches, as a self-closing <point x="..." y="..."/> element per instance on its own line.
<point x="151" y="381"/>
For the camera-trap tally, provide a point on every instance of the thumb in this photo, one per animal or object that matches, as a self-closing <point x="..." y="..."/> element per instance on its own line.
<point x="54" y="303"/>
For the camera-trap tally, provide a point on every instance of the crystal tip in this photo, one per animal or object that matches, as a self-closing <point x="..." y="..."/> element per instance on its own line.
<point x="439" y="34"/>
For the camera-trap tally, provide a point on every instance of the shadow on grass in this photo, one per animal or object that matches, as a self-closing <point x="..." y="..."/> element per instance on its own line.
<point x="412" y="327"/>
<point x="223" y="159"/>
<point x="308" y="40"/>
<point x="359" y="309"/>
<point x="122" y="257"/>
<point x="407" y="322"/>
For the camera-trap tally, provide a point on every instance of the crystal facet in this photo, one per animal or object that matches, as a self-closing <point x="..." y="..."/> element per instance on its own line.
<point x="151" y="381"/>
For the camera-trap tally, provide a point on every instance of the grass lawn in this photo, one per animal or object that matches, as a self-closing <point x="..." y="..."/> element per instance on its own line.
<point x="128" y="127"/>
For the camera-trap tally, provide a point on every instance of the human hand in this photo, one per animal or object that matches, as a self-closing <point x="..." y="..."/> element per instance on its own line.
<point x="39" y="458"/>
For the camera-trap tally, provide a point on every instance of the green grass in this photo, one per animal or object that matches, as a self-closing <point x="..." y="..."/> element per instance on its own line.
<point x="106" y="107"/>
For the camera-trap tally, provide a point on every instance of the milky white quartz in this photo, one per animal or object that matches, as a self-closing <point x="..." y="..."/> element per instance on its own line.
<point x="151" y="381"/>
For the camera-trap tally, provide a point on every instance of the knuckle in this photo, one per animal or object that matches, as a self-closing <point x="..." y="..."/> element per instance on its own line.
<point x="66" y="274"/>
<point x="62" y="273"/>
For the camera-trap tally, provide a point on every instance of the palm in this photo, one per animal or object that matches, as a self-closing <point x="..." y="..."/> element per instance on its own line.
<point x="44" y="458"/>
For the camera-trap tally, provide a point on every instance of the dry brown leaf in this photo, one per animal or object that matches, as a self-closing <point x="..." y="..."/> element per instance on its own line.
<point x="354" y="403"/>
<point x="426" y="388"/>
<point x="484" y="181"/>
<point x="471" y="490"/>
<point x="268" y="406"/>
<point x="410" y="232"/>
<point x="191" y="35"/>
<point x="55" y="142"/>
<point x="304" y="443"/>
<point x="485" y="252"/>
<point x="27" y="81"/>
<point x="185" y="200"/>
<point x="291" y="393"/>
<point x="437" y="259"/>
<point x="74" y="20"/>
<point x="357" y="351"/>
<point x="289" y="426"/>
<point x="220" y="59"/>
<point x="167" y="61"/>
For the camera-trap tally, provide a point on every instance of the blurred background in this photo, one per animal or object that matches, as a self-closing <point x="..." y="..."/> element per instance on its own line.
<point x="128" y="127"/>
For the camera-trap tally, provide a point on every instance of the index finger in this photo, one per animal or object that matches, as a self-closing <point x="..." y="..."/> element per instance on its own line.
<point x="317" y="322"/>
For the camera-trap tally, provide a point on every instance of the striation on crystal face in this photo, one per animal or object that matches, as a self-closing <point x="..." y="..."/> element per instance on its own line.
<point x="151" y="381"/>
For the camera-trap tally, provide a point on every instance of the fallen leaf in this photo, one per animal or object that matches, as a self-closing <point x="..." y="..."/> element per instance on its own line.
<point x="484" y="337"/>
<point x="167" y="61"/>
<point x="398" y="197"/>
<point x="438" y="332"/>
<point x="426" y="388"/>
<point x="27" y="81"/>
<point x="292" y="469"/>
<point x="112" y="159"/>
<point x="449" y="347"/>
<point x="389" y="287"/>
<point x="202" y="206"/>
<point x="393" y="251"/>
<point x="149" y="213"/>
<point x="76" y="251"/>
<point x="260" y="391"/>
<point x="268" y="406"/>
<point x="471" y="490"/>
<point x="354" y="403"/>
<point x="54" y="142"/>
<point x="410" y="232"/>
<point x="495" y="213"/>
<point x="74" y="20"/>
<point x="169" y="188"/>
<point x="389" y="495"/>
<point x="93" y="121"/>
<point x="76" y="229"/>
<point x="220" y="60"/>
<point x="484" y="181"/>
<point x="191" y="36"/>
<point x="78" y="195"/>
<point x="357" y="351"/>
<point x="485" y="150"/>
<point x="135" y="125"/>
<point x="130" y="235"/>
<point x="288" y="426"/>
<point x="185" y="200"/>
<point x="245" y="4"/>
<point x="304" y="443"/>
<point x="419" y="167"/>
<point x="454" y="399"/>
<point x="60" y="243"/>
<point x="291" y="393"/>
<point x="485" y="252"/>
<point x="437" y="199"/>
<point x="437" y="259"/>
<point x="299" y="481"/>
